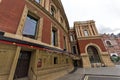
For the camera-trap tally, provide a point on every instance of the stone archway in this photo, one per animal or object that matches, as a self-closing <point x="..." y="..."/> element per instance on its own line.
<point x="94" y="57"/>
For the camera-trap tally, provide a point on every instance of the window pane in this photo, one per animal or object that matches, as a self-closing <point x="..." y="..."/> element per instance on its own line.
<point x="74" y="49"/>
<point x="85" y="32"/>
<point x="38" y="1"/>
<point x="55" y="60"/>
<point x="65" y="45"/>
<point x="71" y="38"/>
<point x="54" y="37"/>
<point x="52" y="11"/>
<point x="108" y="43"/>
<point x="93" y="54"/>
<point x="30" y="27"/>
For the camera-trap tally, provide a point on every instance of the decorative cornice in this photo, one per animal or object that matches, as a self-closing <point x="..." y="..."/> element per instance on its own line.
<point x="84" y="55"/>
<point x="24" y="41"/>
<point x="17" y="40"/>
<point x="90" y="37"/>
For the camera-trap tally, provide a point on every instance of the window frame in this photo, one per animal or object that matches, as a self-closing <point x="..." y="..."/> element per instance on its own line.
<point x="74" y="49"/>
<point x="65" y="43"/>
<point x="32" y="17"/>
<point x="54" y="37"/>
<point x="53" y="11"/>
<point x="93" y="53"/>
<point x="38" y="1"/>
<point x="55" y="60"/>
<point x="108" y="43"/>
<point x="86" y="33"/>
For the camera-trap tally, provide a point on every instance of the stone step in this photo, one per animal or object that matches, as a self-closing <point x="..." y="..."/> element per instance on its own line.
<point x="25" y="78"/>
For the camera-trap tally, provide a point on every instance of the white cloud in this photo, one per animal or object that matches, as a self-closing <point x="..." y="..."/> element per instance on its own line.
<point x="106" y="29"/>
<point x="105" y="12"/>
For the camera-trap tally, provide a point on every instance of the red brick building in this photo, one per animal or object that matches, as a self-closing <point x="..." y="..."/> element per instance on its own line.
<point x="34" y="40"/>
<point x="89" y="44"/>
<point x="112" y="43"/>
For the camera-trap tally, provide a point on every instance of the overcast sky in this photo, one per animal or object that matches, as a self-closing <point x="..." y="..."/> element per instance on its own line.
<point x="106" y="13"/>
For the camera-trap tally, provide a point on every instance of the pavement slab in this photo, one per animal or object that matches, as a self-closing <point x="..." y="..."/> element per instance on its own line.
<point x="100" y="77"/>
<point x="101" y="73"/>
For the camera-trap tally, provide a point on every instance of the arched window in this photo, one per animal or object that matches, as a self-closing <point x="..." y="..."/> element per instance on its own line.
<point x="61" y="20"/>
<point x="54" y="37"/>
<point x="52" y="11"/>
<point x="108" y="43"/>
<point x="71" y="38"/>
<point x="93" y="54"/>
<point x="38" y="1"/>
<point x="86" y="33"/>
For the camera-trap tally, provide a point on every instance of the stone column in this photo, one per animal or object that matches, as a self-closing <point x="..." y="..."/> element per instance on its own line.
<point x="89" y="26"/>
<point x="85" y="60"/>
<point x="14" y="64"/>
<point x="76" y="29"/>
<point x="47" y="5"/>
<point x="22" y="21"/>
<point x="106" y="59"/>
<point x="81" y="31"/>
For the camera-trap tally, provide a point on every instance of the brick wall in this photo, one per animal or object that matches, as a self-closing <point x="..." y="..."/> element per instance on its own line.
<point x="46" y="32"/>
<point x="10" y="13"/>
<point x="82" y="44"/>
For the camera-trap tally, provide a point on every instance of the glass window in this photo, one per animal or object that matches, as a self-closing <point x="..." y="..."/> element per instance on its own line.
<point x="108" y="43"/>
<point x="85" y="32"/>
<point x="71" y="38"/>
<point x="74" y="49"/>
<point x="54" y="37"/>
<point x="38" y="1"/>
<point x="52" y="11"/>
<point x="65" y="43"/>
<point x="55" y="60"/>
<point x="61" y="20"/>
<point x="30" y="27"/>
<point x="93" y="54"/>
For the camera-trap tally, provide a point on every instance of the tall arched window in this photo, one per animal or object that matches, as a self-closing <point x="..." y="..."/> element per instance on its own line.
<point x="52" y="11"/>
<point x="54" y="37"/>
<point x="93" y="54"/>
<point x="86" y="33"/>
<point x="108" y="43"/>
<point x="38" y="1"/>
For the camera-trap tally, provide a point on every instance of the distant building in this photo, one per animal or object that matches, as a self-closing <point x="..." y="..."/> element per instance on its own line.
<point x="87" y="43"/>
<point x="112" y="43"/>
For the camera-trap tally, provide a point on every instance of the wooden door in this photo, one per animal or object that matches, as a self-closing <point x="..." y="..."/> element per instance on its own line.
<point x="23" y="64"/>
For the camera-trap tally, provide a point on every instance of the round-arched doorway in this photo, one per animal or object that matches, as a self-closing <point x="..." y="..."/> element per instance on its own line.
<point x="93" y="55"/>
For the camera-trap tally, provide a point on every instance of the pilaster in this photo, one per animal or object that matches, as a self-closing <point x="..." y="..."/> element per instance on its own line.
<point x="91" y="33"/>
<point x="85" y="60"/>
<point x="106" y="59"/>
<point x="22" y="21"/>
<point x="12" y="71"/>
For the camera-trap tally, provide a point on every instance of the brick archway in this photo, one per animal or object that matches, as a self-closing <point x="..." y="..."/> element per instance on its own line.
<point x="93" y="54"/>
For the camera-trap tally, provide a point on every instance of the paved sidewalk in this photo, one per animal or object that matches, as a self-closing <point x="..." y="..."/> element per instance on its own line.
<point x="94" y="77"/>
<point x="103" y="71"/>
<point x="79" y="73"/>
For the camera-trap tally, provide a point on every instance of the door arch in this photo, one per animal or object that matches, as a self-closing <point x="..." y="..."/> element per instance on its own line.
<point x="93" y="54"/>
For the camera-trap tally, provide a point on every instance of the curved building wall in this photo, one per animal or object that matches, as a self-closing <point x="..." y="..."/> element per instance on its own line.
<point x="37" y="53"/>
